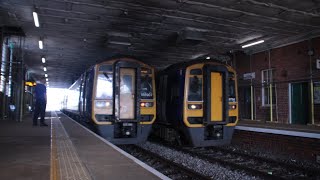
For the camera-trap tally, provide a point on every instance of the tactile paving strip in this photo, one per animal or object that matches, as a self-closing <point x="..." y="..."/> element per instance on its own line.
<point x="65" y="162"/>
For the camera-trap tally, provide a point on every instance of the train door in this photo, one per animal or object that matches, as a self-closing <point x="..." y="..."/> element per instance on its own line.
<point x="245" y="102"/>
<point x="127" y="93"/>
<point x="127" y="100"/>
<point x="216" y="96"/>
<point x="299" y="103"/>
<point x="215" y="91"/>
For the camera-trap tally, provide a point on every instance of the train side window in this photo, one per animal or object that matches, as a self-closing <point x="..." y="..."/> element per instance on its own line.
<point x="195" y="89"/>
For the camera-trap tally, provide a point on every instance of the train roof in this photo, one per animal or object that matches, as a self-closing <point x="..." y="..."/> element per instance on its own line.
<point x="186" y="64"/>
<point x="126" y="58"/>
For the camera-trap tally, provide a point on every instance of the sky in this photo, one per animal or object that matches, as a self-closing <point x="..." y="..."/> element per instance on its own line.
<point x="55" y="97"/>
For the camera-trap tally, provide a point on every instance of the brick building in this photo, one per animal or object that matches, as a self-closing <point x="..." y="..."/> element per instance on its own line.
<point x="289" y="70"/>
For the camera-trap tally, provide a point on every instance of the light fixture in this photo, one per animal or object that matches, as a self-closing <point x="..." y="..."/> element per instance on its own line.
<point x="40" y="44"/>
<point x="208" y="57"/>
<point x="120" y="43"/>
<point x="36" y="19"/>
<point x="45" y="75"/>
<point x="43" y="60"/>
<point x="254" y="43"/>
<point x="44" y="68"/>
<point x="47" y="79"/>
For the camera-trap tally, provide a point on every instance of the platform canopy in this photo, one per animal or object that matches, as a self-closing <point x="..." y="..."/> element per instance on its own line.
<point x="79" y="33"/>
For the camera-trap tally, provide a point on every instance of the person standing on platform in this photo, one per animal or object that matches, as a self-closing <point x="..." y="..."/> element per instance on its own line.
<point x="40" y="94"/>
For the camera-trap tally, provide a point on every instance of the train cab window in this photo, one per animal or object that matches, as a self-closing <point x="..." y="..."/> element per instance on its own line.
<point x="195" y="89"/>
<point x="232" y="89"/>
<point x="146" y="87"/>
<point x="104" y="86"/>
<point x="126" y="85"/>
<point x="196" y="72"/>
<point x="105" y="68"/>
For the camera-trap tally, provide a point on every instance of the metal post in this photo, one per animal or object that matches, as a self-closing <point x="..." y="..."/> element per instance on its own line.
<point x="271" y="110"/>
<point x="19" y="84"/>
<point x="270" y="86"/>
<point x="21" y="80"/>
<point x="312" y="102"/>
<point x="251" y="90"/>
<point x="311" y="53"/>
<point x="4" y="74"/>
<point x="311" y="89"/>
<point x="251" y="101"/>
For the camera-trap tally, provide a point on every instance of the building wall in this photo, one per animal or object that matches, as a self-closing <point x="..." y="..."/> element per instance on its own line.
<point x="290" y="64"/>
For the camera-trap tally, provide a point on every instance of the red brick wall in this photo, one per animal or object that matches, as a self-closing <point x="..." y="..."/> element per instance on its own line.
<point x="281" y="145"/>
<point x="291" y="64"/>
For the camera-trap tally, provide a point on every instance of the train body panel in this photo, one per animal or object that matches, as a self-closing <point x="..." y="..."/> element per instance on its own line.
<point x="199" y="101"/>
<point x="117" y="99"/>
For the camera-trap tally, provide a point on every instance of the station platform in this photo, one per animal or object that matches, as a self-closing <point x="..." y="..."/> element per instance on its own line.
<point x="286" y="140"/>
<point x="64" y="150"/>
<point x="308" y="131"/>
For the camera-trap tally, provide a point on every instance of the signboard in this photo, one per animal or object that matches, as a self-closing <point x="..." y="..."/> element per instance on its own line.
<point x="318" y="63"/>
<point x="316" y="92"/>
<point x="248" y="76"/>
<point x="29" y="83"/>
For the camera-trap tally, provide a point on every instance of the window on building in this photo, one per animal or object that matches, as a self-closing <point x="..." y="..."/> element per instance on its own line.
<point x="267" y="79"/>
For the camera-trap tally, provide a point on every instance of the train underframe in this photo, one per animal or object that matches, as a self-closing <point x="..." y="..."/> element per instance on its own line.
<point x="211" y="135"/>
<point x="117" y="133"/>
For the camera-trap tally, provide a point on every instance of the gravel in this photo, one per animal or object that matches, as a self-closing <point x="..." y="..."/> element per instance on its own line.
<point x="216" y="171"/>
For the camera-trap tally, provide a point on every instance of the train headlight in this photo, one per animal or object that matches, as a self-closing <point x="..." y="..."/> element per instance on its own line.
<point x="232" y="107"/>
<point x="102" y="104"/>
<point x="146" y="104"/>
<point x="194" y="106"/>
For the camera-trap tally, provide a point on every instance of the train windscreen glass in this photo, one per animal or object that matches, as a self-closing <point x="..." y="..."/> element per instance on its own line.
<point x="195" y="89"/>
<point x="104" y="86"/>
<point x="232" y="89"/>
<point x="146" y="87"/>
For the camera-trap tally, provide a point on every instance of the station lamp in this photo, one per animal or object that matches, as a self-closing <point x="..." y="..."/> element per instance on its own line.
<point x="44" y="68"/>
<point x="45" y="75"/>
<point x="40" y="44"/>
<point x="43" y="60"/>
<point x="253" y="43"/>
<point x="36" y="19"/>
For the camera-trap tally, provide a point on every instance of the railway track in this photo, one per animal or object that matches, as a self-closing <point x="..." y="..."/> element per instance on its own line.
<point x="169" y="168"/>
<point x="257" y="166"/>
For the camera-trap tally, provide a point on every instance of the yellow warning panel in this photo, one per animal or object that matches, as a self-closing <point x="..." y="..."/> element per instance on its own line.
<point x="216" y="96"/>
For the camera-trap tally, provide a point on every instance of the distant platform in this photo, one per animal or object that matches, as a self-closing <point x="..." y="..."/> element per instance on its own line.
<point x="307" y="131"/>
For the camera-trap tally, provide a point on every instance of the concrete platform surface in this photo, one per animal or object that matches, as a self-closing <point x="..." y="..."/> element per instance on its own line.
<point x="24" y="150"/>
<point x="63" y="150"/>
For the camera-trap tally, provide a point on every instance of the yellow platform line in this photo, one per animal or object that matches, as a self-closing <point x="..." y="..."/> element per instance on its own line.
<point x="54" y="173"/>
